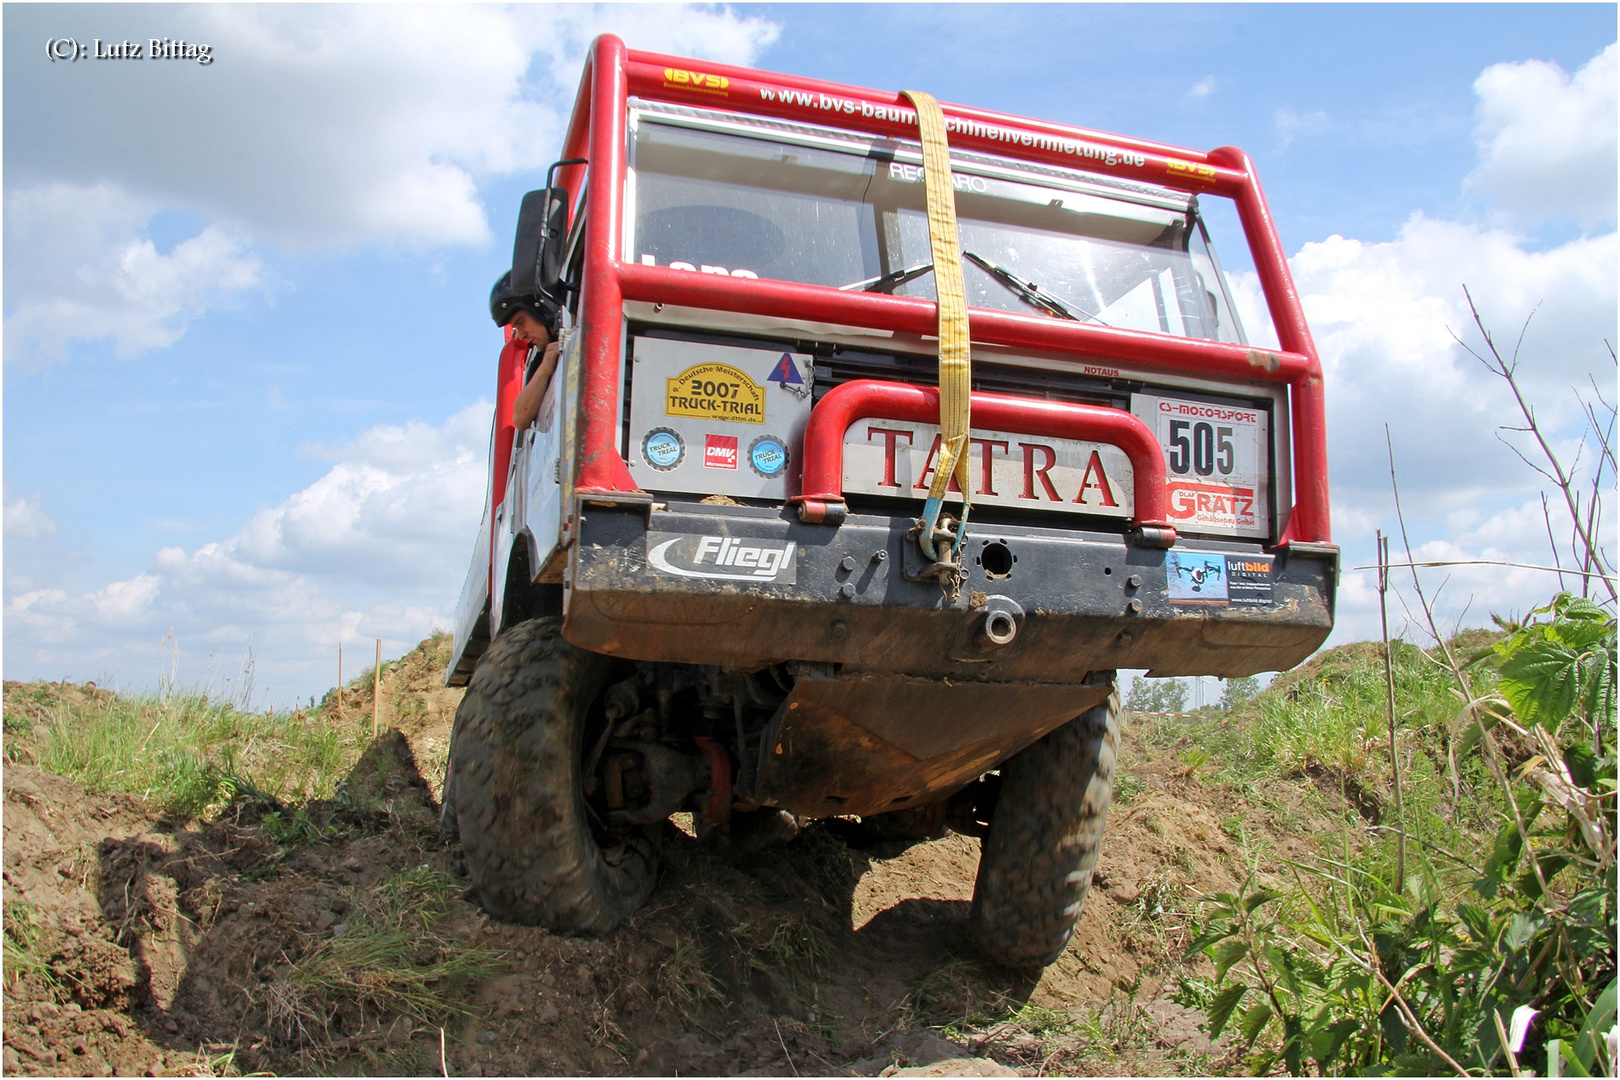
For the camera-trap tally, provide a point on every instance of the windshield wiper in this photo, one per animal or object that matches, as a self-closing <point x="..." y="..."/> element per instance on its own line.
<point x="888" y="282"/>
<point x="1031" y="293"/>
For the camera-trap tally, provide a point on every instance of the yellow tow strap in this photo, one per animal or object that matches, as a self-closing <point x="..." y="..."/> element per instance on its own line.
<point x="955" y="371"/>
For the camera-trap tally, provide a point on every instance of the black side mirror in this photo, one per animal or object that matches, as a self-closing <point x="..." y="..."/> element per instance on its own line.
<point x="537" y="249"/>
<point x="542" y="233"/>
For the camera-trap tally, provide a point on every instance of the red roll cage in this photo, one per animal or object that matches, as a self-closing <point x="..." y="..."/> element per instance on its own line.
<point x="597" y="131"/>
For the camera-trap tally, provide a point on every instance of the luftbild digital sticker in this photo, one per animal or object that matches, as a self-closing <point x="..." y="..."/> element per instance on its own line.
<point x="1196" y="577"/>
<point x="722" y="558"/>
<point x="1248" y="580"/>
<point x="663" y="449"/>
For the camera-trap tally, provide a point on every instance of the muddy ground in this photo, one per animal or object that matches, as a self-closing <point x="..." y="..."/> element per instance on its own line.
<point x="340" y="941"/>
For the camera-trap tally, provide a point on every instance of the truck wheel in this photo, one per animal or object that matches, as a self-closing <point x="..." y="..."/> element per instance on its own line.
<point x="1045" y="836"/>
<point x="535" y="852"/>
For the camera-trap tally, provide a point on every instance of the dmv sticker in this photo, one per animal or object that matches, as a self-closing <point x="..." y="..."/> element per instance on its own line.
<point x="715" y="391"/>
<point x="719" y="451"/>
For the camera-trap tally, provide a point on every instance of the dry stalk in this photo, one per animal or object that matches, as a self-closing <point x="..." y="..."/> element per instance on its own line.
<point x="1588" y="550"/>
<point x="1492" y="753"/>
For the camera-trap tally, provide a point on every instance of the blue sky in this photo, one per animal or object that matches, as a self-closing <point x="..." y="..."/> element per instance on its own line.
<point x="248" y="363"/>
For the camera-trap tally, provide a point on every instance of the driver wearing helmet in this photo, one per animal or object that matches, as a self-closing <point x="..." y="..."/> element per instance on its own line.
<point x="531" y="319"/>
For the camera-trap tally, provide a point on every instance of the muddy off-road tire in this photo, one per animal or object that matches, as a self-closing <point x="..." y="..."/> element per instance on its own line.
<point x="513" y="789"/>
<point x="1036" y="864"/>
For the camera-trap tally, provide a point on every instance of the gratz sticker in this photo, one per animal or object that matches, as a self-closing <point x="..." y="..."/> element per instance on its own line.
<point x="722" y="558"/>
<point x="719" y="451"/>
<point x="715" y="392"/>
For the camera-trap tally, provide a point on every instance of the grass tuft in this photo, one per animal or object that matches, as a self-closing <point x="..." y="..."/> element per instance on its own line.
<point x="395" y="957"/>
<point x="188" y="754"/>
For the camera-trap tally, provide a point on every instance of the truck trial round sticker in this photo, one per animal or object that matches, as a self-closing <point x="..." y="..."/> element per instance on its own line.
<point x="663" y="449"/>
<point x="767" y="456"/>
<point x="715" y="392"/>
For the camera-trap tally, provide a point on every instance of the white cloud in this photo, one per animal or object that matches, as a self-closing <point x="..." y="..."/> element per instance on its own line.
<point x="1290" y="123"/>
<point x="26" y="519"/>
<point x="377" y="547"/>
<point x="331" y="126"/>
<point x="1547" y="139"/>
<point x="1382" y="315"/>
<point x="1203" y="88"/>
<point x="316" y="127"/>
<point x="79" y="268"/>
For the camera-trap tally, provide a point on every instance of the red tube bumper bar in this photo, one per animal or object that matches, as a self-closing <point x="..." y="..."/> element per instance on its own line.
<point x="597" y="130"/>
<point x="873" y="399"/>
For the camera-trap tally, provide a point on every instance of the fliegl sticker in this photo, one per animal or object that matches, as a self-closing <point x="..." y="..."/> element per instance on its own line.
<point x="715" y="392"/>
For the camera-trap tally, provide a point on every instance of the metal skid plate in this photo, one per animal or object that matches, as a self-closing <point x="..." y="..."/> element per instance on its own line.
<point x="717" y="419"/>
<point x="870" y="744"/>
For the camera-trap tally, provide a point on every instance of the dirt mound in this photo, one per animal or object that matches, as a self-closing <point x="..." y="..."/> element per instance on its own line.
<point x="337" y="937"/>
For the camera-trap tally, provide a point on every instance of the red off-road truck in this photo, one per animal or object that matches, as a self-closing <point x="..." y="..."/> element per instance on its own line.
<point x="723" y="572"/>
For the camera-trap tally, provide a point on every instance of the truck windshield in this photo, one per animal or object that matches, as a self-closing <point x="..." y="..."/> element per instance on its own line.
<point x="761" y="205"/>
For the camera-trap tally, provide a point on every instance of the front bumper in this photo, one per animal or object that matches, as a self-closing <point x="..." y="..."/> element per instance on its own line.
<point x="1080" y="601"/>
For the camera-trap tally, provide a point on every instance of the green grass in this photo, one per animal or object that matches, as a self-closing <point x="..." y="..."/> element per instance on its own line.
<point x="184" y="752"/>
<point x="394" y="957"/>
<point x="22" y="931"/>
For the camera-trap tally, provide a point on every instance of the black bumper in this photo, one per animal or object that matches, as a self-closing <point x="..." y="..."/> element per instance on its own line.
<point x="1080" y="600"/>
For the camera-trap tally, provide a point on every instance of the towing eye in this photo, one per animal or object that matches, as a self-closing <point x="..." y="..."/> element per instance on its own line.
<point x="955" y="363"/>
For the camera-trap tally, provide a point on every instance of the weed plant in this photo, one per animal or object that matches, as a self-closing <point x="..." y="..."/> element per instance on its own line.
<point x="1507" y="906"/>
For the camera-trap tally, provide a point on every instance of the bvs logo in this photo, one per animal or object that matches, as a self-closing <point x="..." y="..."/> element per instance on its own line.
<point x="697" y="79"/>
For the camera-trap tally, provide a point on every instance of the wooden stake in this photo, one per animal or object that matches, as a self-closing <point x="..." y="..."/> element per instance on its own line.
<point x="376" y="691"/>
<point x="340" y="681"/>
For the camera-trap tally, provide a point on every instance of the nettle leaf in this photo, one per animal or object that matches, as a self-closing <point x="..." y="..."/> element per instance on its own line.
<point x="1542" y="680"/>
<point x="1221" y="1006"/>
<point x="1259" y="898"/>
<point x="1228" y="953"/>
<point x="1550" y="669"/>
<point x="1282" y="962"/>
<point x="1478" y="922"/>
<point x="1551" y="863"/>
<point x="1293" y="1051"/>
<point x="1523" y="928"/>
<point x="1254" y="1022"/>
<point x="1582" y="764"/>
<point x="1394" y="1028"/>
<point x="1209" y="937"/>
<point x="1325" y="1042"/>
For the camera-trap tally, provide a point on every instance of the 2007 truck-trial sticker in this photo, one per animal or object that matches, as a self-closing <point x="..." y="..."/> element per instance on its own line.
<point x="715" y="391"/>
